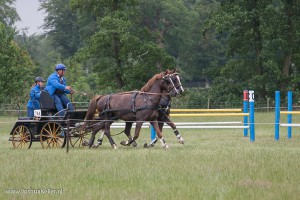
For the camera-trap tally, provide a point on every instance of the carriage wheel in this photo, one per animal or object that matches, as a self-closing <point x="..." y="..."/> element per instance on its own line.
<point x="79" y="137"/>
<point x="52" y="135"/>
<point x="21" y="137"/>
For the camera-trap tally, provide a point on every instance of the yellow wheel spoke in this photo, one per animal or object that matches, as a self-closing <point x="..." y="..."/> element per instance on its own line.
<point x="49" y="143"/>
<point x="50" y="134"/>
<point x="79" y="137"/>
<point x="57" y="130"/>
<point x="57" y="144"/>
<point x="47" y="131"/>
<point x="19" y="144"/>
<point x="49" y="127"/>
<point x="21" y="137"/>
<point x="77" y="140"/>
<point x="58" y="141"/>
<point x="44" y="135"/>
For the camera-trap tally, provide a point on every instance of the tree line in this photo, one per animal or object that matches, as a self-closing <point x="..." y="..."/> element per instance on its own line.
<point x="110" y="45"/>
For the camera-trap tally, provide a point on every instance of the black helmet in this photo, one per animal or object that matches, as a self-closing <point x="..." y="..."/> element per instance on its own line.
<point x="39" y="79"/>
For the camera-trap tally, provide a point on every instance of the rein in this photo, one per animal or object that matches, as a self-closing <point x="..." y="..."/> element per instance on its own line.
<point x="130" y="110"/>
<point x="152" y="93"/>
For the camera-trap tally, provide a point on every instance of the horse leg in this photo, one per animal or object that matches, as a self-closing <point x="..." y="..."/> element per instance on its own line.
<point x="99" y="142"/>
<point x="138" y="127"/>
<point x="176" y="132"/>
<point x="159" y="134"/>
<point x="108" y="135"/>
<point x="101" y="138"/>
<point x="128" y="127"/>
<point x="151" y="144"/>
<point x="95" y="130"/>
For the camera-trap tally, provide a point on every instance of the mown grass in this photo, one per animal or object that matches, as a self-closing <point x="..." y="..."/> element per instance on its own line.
<point x="212" y="164"/>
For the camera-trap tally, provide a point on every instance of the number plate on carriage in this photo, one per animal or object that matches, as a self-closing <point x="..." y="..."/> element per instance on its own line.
<point x="37" y="113"/>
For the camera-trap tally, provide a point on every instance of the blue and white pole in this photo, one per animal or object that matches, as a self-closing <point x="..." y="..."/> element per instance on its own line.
<point x="277" y="115"/>
<point x="251" y="107"/>
<point x="246" y="100"/>
<point x="289" y="116"/>
<point x="152" y="132"/>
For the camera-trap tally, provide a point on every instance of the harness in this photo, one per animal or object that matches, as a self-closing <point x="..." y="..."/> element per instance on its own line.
<point x="133" y="97"/>
<point x="164" y="105"/>
<point x="106" y="105"/>
<point x="133" y="109"/>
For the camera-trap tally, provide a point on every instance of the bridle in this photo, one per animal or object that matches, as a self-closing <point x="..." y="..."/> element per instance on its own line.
<point x="173" y="87"/>
<point x="169" y="78"/>
<point x="178" y="80"/>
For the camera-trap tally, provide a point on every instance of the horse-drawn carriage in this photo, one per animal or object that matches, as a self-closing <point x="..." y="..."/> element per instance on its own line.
<point x="48" y="127"/>
<point x="137" y="107"/>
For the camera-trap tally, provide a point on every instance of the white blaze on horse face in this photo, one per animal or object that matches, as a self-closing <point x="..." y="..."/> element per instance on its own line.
<point x="173" y="85"/>
<point x="180" y="85"/>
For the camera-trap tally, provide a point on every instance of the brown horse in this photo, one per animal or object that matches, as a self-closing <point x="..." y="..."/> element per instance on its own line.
<point x="163" y="117"/>
<point x="132" y="107"/>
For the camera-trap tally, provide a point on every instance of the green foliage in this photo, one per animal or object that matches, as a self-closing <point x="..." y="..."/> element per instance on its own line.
<point x="15" y="70"/>
<point x="111" y="46"/>
<point x="41" y="52"/>
<point x="261" y="45"/>
<point x="178" y="26"/>
<point x="61" y="25"/>
<point x="8" y="14"/>
<point x="121" y="50"/>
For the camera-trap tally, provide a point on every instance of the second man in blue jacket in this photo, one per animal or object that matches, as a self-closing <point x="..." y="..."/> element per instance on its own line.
<point x="57" y="88"/>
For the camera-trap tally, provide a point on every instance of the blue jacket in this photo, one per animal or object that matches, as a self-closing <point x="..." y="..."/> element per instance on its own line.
<point x="34" y="101"/>
<point x="56" y="83"/>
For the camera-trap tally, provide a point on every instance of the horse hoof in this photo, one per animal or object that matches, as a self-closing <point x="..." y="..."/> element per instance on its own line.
<point x="166" y="147"/>
<point x="134" y="144"/>
<point x="123" y="143"/>
<point x="95" y="146"/>
<point x="181" y="142"/>
<point x="145" y="145"/>
<point x="114" y="146"/>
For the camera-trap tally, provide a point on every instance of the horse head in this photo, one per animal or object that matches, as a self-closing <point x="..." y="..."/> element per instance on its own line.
<point x="169" y="81"/>
<point x="174" y="85"/>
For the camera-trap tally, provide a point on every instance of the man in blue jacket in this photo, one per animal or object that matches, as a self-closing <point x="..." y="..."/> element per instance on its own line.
<point x="57" y="88"/>
<point x="35" y="92"/>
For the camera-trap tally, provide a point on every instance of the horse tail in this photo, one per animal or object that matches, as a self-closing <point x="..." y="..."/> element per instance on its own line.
<point x="92" y="108"/>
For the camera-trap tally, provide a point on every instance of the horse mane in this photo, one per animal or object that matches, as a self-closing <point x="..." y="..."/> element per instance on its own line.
<point x="151" y="82"/>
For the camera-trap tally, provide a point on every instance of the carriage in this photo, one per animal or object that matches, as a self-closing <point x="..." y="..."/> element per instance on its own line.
<point x="53" y="130"/>
<point x="48" y="127"/>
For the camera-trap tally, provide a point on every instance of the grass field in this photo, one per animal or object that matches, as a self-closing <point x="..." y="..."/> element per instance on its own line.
<point x="212" y="164"/>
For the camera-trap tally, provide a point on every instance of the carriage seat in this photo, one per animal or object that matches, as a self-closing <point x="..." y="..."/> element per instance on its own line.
<point x="47" y="102"/>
